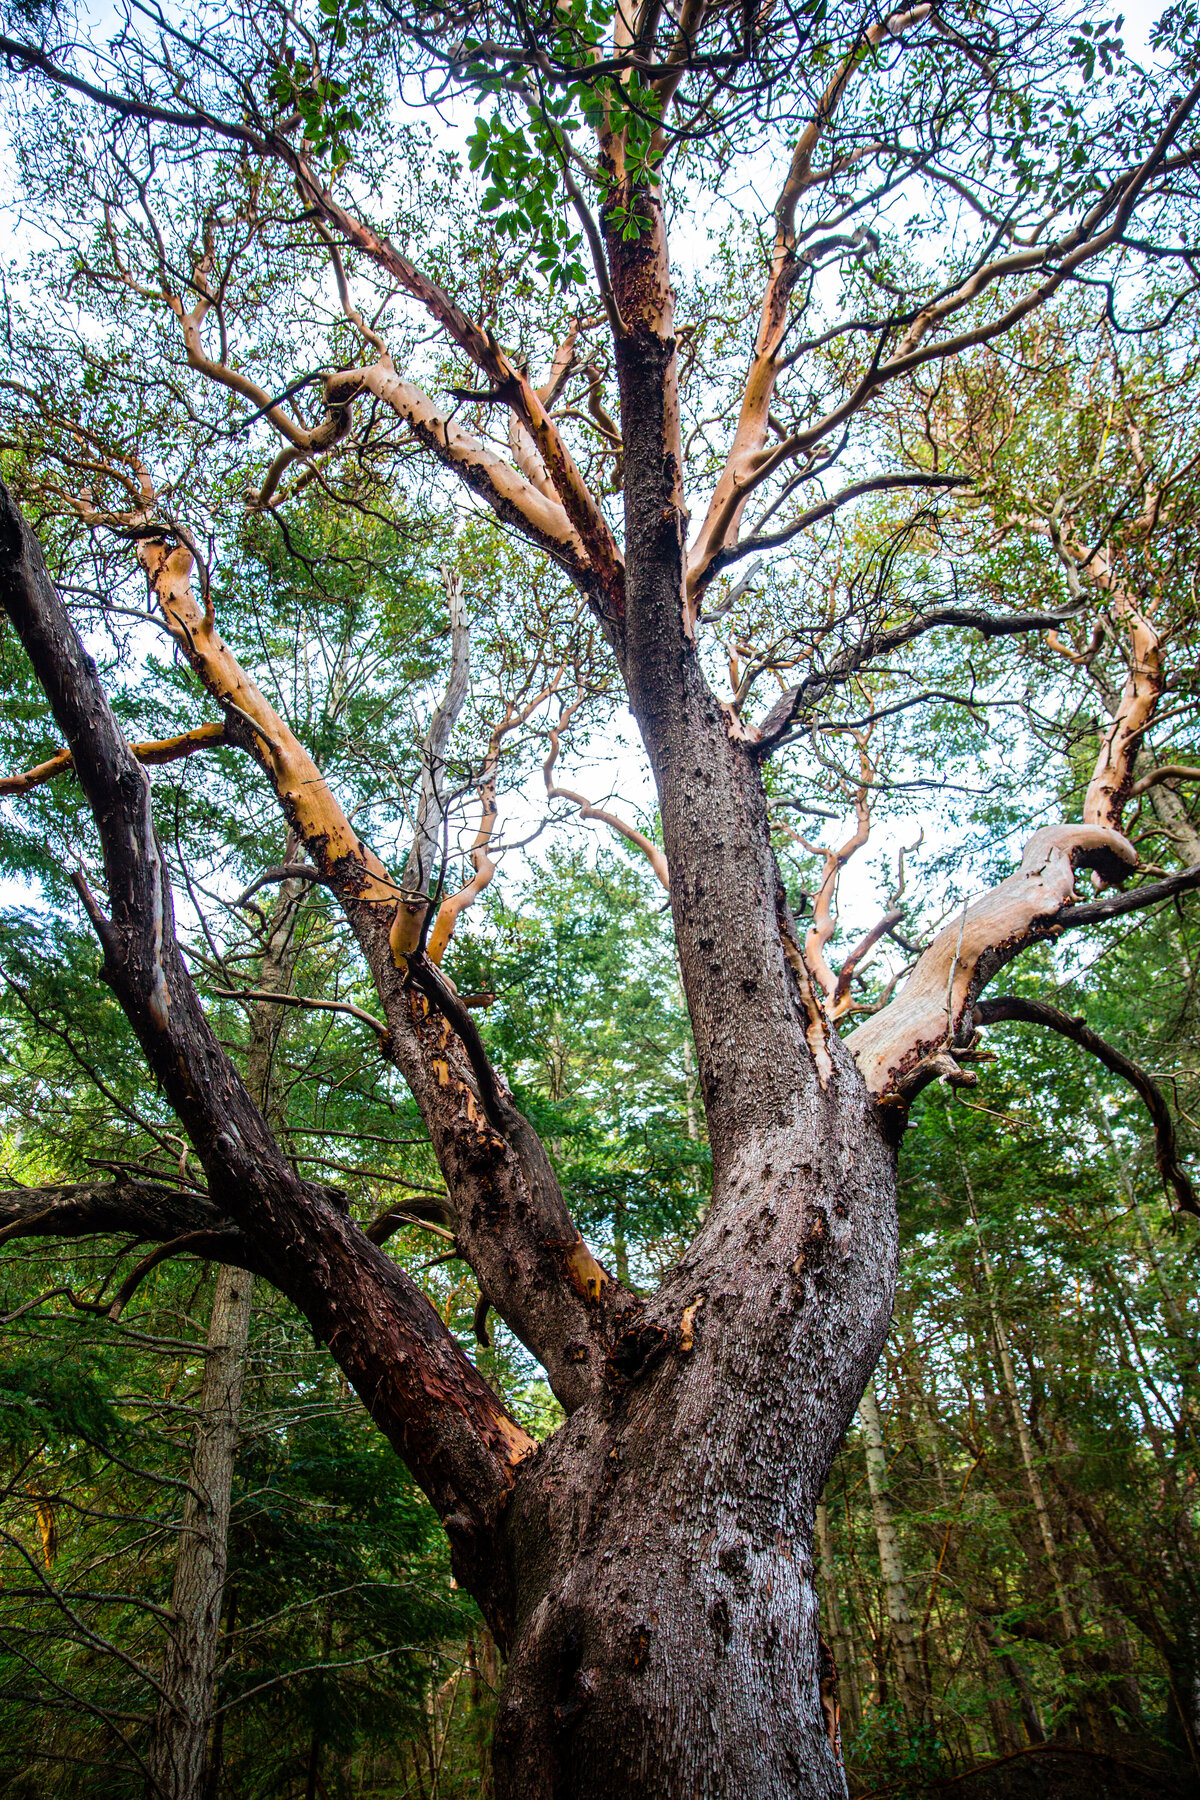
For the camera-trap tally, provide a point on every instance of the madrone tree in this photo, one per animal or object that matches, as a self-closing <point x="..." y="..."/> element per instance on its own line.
<point x="267" y="278"/>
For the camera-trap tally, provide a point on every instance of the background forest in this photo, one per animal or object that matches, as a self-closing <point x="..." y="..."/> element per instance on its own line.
<point x="1009" y="1541"/>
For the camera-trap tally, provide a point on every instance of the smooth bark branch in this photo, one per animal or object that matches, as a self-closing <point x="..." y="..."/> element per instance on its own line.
<point x="914" y="1037"/>
<point x="1166" y="1146"/>
<point x="319" y="822"/>
<point x="456" y="1436"/>
<point x="510" y="383"/>
<point x="836" y="988"/>
<point x="516" y="501"/>
<point x="1112" y="778"/>
<point x="1167" y="772"/>
<point x="153" y="754"/>
<point x="720" y="527"/>
<point x="630" y="833"/>
<point x="513" y="1225"/>
<point x="1115" y="906"/>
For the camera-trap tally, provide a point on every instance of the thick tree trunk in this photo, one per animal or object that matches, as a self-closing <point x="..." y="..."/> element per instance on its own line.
<point x="667" y="1637"/>
<point x="666" y="1633"/>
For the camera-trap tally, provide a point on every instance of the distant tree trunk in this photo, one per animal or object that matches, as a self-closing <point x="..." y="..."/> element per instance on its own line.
<point x="842" y="1643"/>
<point x="1030" y="1717"/>
<point x="913" y="1695"/>
<point x="1004" y="1737"/>
<point x="179" y="1743"/>
<point x="1012" y="1393"/>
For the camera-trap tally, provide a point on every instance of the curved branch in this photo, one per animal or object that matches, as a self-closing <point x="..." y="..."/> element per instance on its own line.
<point x="630" y="833"/>
<point x="900" y="1047"/>
<point x="302" y="1000"/>
<point x="152" y="755"/>
<point x="1166" y="1148"/>
<point x="282" y="872"/>
<point x="700" y="574"/>
<point x="786" y="710"/>
<point x="738" y="476"/>
<point x="542" y="1281"/>
<point x="1168" y="772"/>
<point x="211" y="1246"/>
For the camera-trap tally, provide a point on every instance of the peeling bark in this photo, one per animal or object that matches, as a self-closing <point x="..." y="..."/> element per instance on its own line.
<point x="897" y="1050"/>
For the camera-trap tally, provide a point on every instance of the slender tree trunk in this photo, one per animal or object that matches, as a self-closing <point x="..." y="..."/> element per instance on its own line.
<point x="913" y="1695"/>
<point x="843" y="1644"/>
<point x="620" y="1244"/>
<point x="1008" y="1375"/>
<point x="1030" y="1717"/>
<point x="179" y="1743"/>
<point x="178" y="1751"/>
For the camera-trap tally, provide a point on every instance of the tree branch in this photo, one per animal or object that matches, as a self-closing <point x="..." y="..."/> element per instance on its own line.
<point x="1114" y="906"/>
<point x="542" y="1279"/>
<point x="1168" y="772"/>
<point x="915" y="1036"/>
<point x="452" y="1430"/>
<point x="153" y="754"/>
<point x="1166" y="1148"/>
<point x="129" y="1206"/>
<point x="787" y="708"/>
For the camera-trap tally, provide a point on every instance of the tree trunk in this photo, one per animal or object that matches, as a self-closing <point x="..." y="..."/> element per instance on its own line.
<point x="843" y="1643"/>
<point x="891" y="1562"/>
<point x="179" y="1743"/>
<point x="666" y="1630"/>
<point x="666" y="1638"/>
<point x="178" y="1752"/>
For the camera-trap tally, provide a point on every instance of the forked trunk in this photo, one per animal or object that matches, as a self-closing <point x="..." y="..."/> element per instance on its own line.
<point x="666" y="1635"/>
<point x="667" y="1630"/>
